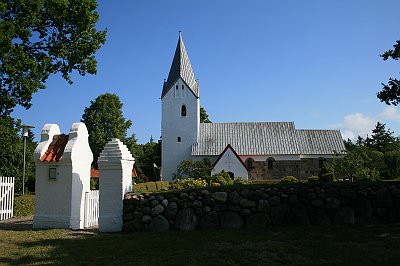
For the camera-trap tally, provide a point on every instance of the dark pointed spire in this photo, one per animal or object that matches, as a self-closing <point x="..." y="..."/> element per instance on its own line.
<point x="181" y="68"/>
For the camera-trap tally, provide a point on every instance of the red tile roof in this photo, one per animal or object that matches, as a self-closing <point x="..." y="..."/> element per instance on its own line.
<point x="95" y="173"/>
<point x="56" y="149"/>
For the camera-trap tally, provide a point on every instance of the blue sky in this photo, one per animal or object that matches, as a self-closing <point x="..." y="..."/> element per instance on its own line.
<point x="312" y="62"/>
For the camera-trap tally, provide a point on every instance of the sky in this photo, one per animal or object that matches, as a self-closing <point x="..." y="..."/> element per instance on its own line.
<point x="312" y="62"/>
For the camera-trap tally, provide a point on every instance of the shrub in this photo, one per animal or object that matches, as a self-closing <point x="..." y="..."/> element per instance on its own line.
<point x="313" y="179"/>
<point x="94" y="184"/>
<point x="188" y="183"/>
<point x="327" y="174"/>
<point x="193" y="169"/>
<point x="24" y="205"/>
<point x="151" y="186"/>
<point x="241" y="180"/>
<point x="289" y="179"/>
<point x="162" y="185"/>
<point x="223" y="178"/>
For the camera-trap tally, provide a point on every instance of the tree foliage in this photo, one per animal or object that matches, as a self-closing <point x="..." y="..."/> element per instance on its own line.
<point x="390" y="94"/>
<point x="147" y="157"/>
<point x="104" y="120"/>
<point x="373" y="158"/>
<point x="204" y="116"/>
<point x="194" y="169"/>
<point x="382" y="139"/>
<point x="43" y="37"/>
<point x="11" y="154"/>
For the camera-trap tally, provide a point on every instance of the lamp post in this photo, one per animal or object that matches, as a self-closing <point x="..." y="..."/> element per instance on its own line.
<point x="25" y="131"/>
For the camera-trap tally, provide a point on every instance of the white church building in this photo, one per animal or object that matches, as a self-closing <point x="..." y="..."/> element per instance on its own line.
<point x="253" y="150"/>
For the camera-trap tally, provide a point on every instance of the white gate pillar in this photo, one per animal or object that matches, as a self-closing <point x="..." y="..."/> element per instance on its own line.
<point x="115" y="166"/>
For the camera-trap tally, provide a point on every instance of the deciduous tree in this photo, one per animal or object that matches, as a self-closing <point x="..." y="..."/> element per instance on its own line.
<point x="390" y="94"/>
<point x="104" y="120"/>
<point x="43" y="37"/>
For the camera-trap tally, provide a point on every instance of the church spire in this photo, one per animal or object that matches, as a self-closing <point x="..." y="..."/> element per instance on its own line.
<point x="181" y="68"/>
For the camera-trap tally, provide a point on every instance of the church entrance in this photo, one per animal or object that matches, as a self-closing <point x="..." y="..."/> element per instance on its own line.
<point x="232" y="175"/>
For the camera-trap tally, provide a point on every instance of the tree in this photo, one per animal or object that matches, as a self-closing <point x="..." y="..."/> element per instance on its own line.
<point x="204" y="116"/>
<point x="39" y="38"/>
<point x="382" y="139"/>
<point x="194" y="169"/>
<point x="390" y="94"/>
<point x="11" y="154"/>
<point x="104" y="120"/>
<point x="358" y="165"/>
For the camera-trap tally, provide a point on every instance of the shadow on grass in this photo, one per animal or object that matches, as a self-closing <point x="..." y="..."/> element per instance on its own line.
<point x="370" y="245"/>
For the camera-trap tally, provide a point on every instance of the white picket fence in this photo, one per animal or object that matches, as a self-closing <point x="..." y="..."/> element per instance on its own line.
<point x="6" y="197"/>
<point x="91" y="209"/>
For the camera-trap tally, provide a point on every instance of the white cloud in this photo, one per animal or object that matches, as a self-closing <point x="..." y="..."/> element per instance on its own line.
<point x="390" y="113"/>
<point x="355" y="125"/>
<point x="358" y="124"/>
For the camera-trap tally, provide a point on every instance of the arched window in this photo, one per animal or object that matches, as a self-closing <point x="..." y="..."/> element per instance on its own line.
<point x="270" y="161"/>
<point x="176" y="87"/>
<point x="250" y="163"/>
<point x="183" y="110"/>
<point x="179" y="139"/>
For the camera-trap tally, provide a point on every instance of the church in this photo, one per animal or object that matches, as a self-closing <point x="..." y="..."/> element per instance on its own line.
<point x="250" y="150"/>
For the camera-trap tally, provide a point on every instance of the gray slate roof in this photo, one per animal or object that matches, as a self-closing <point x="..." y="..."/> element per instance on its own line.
<point x="181" y="68"/>
<point x="265" y="138"/>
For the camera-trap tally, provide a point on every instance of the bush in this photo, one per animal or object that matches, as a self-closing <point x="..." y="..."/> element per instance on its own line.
<point x="151" y="186"/>
<point x="24" y="205"/>
<point x="189" y="183"/>
<point x="289" y="179"/>
<point x="241" y="180"/>
<point x="162" y="185"/>
<point x="313" y="179"/>
<point x="327" y="174"/>
<point x="193" y="169"/>
<point x="223" y="178"/>
<point x="94" y="184"/>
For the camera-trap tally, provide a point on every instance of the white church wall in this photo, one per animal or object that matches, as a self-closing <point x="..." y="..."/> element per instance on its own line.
<point x="174" y="125"/>
<point x="230" y="163"/>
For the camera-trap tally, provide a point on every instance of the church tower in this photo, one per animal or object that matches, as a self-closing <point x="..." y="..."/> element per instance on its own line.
<point x="180" y="107"/>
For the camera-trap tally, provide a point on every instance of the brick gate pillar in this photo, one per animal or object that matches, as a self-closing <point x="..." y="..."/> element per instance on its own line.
<point x="115" y="166"/>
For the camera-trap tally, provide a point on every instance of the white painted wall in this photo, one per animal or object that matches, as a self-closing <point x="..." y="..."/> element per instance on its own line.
<point x="230" y="163"/>
<point x="173" y="125"/>
<point x="115" y="166"/>
<point x="60" y="203"/>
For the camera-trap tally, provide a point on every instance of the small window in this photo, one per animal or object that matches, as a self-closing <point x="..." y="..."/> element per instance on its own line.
<point x="179" y="139"/>
<point x="183" y="110"/>
<point x="52" y="173"/>
<point x="270" y="161"/>
<point x="176" y="86"/>
<point x="183" y="87"/>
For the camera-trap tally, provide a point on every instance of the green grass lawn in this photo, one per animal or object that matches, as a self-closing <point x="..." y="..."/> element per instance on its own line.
<point x="341" y="245"/>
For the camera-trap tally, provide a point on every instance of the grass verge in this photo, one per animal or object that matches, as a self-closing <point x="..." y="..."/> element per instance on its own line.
<point x="340" y="245"/>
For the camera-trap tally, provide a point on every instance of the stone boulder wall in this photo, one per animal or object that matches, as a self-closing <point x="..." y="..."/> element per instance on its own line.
<point x="260" y="207"/>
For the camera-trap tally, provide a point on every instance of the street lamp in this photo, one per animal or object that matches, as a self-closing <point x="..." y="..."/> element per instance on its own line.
<point x="25" y="131"/>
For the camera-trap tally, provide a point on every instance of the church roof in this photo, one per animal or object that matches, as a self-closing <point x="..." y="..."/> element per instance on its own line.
<point x="181" y="68"/>
<point x="265" y="138"/>
<point x="320" y="141"/>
